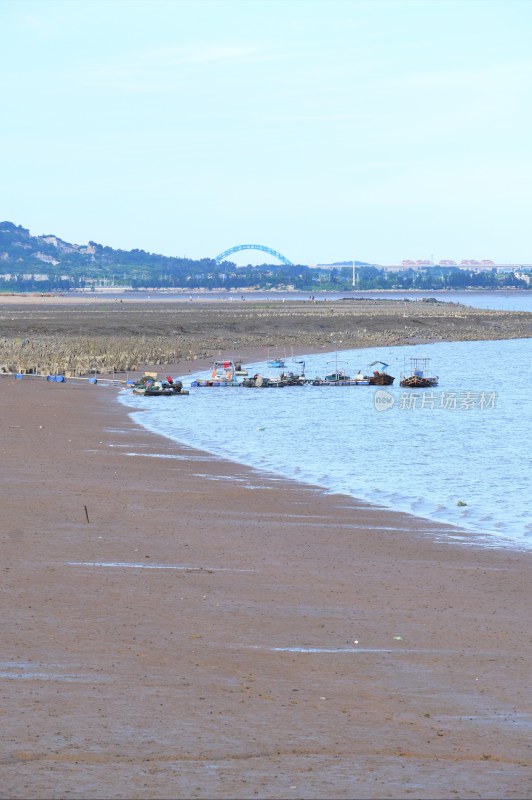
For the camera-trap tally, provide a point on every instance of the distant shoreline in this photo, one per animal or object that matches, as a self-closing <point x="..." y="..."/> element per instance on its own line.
<point x="119" y="290"/>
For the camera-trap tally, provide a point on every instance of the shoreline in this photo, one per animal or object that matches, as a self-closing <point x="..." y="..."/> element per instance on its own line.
<point x="282" y="643"/>
<point x="447" y="530"/>
<point x="182" y="369"/>
<point x="463" y="532"/>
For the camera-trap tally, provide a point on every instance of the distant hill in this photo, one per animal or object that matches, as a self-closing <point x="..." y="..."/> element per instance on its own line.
<point x="20" y="252"/>
<point x="19" y="249"/>
<point x="29" y="263"/>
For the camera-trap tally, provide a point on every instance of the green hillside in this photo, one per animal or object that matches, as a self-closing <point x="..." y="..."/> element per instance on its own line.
<point x="47" y="263"/>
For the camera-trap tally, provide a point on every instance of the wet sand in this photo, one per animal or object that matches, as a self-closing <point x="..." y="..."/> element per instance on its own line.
<point x="178" y="626"/>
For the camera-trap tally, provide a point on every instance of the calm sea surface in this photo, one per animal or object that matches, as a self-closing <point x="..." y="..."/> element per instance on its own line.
<point x="458" y="454"/>
<point x="517" y="300"/>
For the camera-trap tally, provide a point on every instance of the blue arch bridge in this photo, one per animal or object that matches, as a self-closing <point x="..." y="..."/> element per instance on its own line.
<point x="238" y="247"/>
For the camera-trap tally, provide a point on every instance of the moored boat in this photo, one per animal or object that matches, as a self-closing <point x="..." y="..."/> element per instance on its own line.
<point x="337" y="376"/>
<point x="418" y="377"/>
<point x="223" y="373"/>
<point x="259" y="381"/>
<point x="295" y="377"/>
<point x="276" y="363"/>
<point x="380" y="377"/>
<point x="340" y="378"/>
<point x="152" y="387"/>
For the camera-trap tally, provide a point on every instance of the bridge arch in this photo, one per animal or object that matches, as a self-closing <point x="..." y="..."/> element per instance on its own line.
<point x="238" y="247"/>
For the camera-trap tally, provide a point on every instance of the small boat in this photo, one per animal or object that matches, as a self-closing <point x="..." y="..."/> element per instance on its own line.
<point x="150" y="387"/>
<point x="340" y="378"/>
<point x="223" y="373"/>
<point x="380" y="377"/>
<point x="337" y="378"/>
<point x="276" y="363"/>
<point x="295" y="377"/>
<point x="163" y="391"/>
<point x="259" y="381"/>
<point x="418" y="377"/>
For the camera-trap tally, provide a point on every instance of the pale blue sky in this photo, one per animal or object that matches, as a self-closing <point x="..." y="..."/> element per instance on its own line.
<point x="326" y="129"/>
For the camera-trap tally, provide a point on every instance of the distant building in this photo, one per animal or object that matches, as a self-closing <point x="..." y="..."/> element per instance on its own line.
<point x="27" y="276"/>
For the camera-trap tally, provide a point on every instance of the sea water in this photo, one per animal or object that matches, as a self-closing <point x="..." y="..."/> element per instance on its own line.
<point x="511" y="300"/>
<point x="458" y="453"/>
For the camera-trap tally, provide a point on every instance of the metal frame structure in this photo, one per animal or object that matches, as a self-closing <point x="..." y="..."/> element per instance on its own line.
<point x="238" y="247"/>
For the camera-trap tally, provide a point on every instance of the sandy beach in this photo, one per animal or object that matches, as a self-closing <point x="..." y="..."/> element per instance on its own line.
<point x="179" y="626"/>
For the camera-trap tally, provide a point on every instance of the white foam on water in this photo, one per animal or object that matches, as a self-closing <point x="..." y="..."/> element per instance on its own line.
<point x="228" y="478"/>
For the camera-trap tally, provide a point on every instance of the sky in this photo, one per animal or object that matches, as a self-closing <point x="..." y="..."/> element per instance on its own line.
<point x="328" y="130"/>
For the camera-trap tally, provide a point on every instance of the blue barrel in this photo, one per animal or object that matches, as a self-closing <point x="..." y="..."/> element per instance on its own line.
<point x="50" y="377"/>
<point x="60" y="378"/>
<point x="93" y="380"/>
<point x="19" y="375"/>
